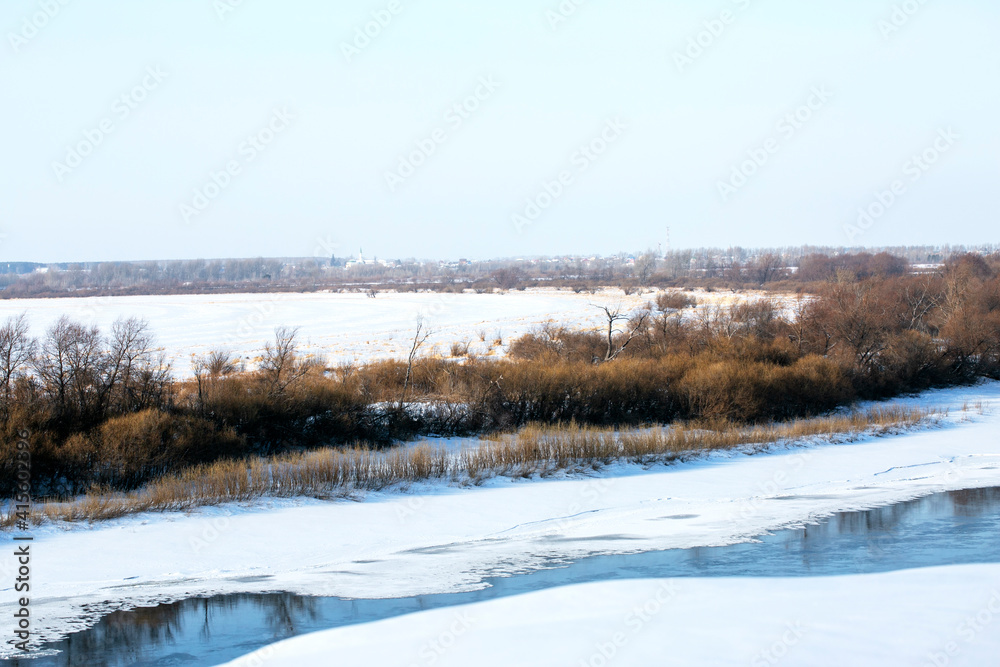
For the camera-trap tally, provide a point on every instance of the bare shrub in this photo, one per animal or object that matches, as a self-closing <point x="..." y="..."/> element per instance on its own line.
<point x="669" y="301"/>
<point x="509" y="278"/>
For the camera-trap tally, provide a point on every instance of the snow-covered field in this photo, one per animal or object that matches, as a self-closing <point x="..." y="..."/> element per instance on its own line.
<point x="935" y="617"/>
<point x="438" y="538"/>
<point x="336" y="326"/>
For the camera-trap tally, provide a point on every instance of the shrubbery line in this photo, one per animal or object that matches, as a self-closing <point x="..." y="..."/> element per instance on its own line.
<point x="533" y="450"/>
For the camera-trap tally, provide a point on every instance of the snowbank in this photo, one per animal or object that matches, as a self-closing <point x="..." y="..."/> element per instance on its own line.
<point x="935" y="617"/>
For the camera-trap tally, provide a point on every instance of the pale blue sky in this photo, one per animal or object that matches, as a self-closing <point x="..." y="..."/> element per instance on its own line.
<point x="321" y="182"/>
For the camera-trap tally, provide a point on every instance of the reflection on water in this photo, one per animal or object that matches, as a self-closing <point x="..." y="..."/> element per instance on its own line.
<point x="943" y="529"/>
<point x="129" y="637"/>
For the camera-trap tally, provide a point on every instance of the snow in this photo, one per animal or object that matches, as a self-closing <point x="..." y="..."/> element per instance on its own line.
<point x="436" y="538"/>
<point x="935" y="616"/>
<point x="339" y="327"/>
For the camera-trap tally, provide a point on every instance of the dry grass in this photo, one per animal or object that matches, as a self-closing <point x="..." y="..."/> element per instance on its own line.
<point x="539" y="449"/>
<point x="533" y="450"/>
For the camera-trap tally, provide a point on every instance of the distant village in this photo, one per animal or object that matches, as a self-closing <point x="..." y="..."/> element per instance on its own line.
<point x="737" y="265"/>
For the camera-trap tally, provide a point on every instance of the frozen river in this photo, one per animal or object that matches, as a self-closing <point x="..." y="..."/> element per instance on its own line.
<point x="952" y="528"/>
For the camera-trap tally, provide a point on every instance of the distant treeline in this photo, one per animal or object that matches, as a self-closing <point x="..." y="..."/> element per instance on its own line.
<point x="103" y="410"/>
<point x="712" y="267"/>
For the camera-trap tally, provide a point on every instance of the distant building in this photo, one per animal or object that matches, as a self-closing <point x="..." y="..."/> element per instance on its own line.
<point x="361" y="261"/>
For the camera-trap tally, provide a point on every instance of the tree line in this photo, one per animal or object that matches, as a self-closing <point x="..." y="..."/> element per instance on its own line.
<point x="713" y="267"/>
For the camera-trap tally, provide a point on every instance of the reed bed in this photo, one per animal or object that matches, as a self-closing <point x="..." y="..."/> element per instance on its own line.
<point x="533" y="450"/>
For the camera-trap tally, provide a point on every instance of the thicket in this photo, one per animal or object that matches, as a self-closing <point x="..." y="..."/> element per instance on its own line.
<point x="534" y="450"/>
<point x="103" y="411"/>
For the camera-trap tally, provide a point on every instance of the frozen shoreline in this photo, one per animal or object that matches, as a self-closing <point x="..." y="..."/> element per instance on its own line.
<point x="935" y="616"/>
<point x="436" y="538"/>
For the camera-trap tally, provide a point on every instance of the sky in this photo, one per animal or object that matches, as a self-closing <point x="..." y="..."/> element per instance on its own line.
<point x="168" y="129"/>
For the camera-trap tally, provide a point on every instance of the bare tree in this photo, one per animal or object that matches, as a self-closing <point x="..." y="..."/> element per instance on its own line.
<point x="68" y="365"/>
<point x="765" y="268"/>
<point x="280" y="367"/>
<point x="645" y="266"/>
<point x="922" y="297"/>
<point x="88" y="376"/>
<point x="129" y="367"/>
<point x="716" y="320"/>
<point x="615" y="315"/>
<point x="419" y="338"/>
<point x="669" y="329"/>
<point x="150" y="383"/>
<point x="17" y="349"/>
<point x="856" y="315"/>
<point x="801" y="321"/>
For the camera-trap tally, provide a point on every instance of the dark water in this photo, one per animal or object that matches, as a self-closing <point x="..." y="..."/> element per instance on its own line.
<point x="943" y="529"/>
